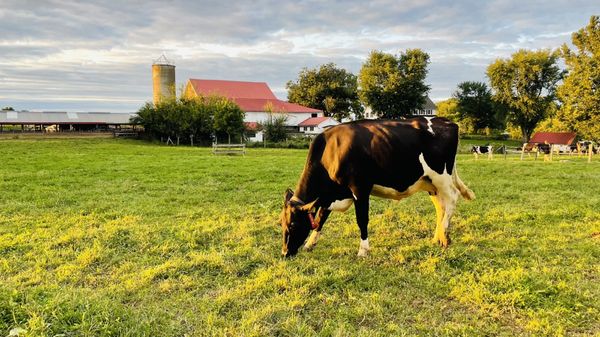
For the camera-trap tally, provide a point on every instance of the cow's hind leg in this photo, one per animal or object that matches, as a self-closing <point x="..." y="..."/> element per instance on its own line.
<point x="316" y="234"/>
<point x="361" y="207"/>
<point x="448" y="194"/>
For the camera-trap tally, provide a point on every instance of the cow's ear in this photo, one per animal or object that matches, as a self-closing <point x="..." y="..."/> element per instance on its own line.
<point x="288" y="195"/>
<point x="310" y="207"/>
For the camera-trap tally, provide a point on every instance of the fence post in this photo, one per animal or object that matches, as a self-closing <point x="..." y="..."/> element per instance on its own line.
<point x="590" y="153"/>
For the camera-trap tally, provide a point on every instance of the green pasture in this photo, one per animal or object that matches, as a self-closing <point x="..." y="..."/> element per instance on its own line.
<point x="103" y="237"/>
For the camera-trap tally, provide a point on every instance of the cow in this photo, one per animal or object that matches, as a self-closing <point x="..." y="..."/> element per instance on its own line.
<point x="482" y="149"/>
<point x="543" y="148"/>
<point x="392" y="159"/>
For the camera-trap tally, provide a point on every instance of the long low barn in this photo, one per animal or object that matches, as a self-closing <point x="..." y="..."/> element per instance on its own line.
<point x="64" y="120"/>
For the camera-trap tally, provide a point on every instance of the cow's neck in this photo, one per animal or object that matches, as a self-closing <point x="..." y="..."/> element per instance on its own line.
<point x="308" y="186"/>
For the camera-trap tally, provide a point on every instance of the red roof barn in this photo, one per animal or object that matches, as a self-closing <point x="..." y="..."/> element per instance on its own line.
<point x="250" y="96"/>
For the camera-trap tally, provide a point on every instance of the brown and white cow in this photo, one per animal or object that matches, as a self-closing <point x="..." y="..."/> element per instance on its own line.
<point x="392" y="159"/>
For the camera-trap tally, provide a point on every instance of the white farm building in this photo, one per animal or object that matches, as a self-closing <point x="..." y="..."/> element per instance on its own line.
<point x="259" y="103"/>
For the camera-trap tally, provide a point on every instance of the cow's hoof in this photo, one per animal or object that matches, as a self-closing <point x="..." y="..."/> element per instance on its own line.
<point x="312" y="241"/>
<point x="362" y="253"/>
<point x="443" y="241"/>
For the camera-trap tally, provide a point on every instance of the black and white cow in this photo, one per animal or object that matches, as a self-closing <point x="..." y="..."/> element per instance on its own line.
<point x="349" y="162"/>
<point x="482" y="149"/>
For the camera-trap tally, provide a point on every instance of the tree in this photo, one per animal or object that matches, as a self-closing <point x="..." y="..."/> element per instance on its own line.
<point x="274" y="127"/>
<point x="474" y="101"/>
<point x="199" y="117"/>
<point x="526" y="85"/>
<point x="448" y="109"/>
<point x="580" y="91"/>
<point x="228" y="117"/>
<point x="394" y="86"/>
<point x="8" y="108"/>
<point x="328" y="88"/>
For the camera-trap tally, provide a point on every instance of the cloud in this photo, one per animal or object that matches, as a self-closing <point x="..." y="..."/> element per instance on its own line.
<point x="96" y="55"/>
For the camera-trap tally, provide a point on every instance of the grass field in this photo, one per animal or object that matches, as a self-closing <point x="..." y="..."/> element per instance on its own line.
<point x="103" y="237"/>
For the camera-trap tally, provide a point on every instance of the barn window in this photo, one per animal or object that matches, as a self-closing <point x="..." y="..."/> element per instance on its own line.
<point x="314" y="115"/>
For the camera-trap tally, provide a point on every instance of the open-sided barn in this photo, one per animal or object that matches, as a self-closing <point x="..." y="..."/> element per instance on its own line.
<point x="63" y="121"/>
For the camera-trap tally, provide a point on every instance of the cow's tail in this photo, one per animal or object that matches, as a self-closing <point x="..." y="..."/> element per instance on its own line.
<point x="462" y="188"/>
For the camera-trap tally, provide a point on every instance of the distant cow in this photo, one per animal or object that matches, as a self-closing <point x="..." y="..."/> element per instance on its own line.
<point x="482" y="149"/>
<point x="543" y="148"/>
<point x="391" y="159"/>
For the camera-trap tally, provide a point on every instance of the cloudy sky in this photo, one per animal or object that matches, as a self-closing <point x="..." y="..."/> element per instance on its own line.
<point x="97" y="55"/>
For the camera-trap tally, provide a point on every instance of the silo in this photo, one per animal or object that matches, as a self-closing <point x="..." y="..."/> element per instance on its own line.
<point x="163" y="79"/>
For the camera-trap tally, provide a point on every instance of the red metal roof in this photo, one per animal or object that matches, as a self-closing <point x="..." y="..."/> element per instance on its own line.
<point x="257" y="105"/>
<point x="314" y="121"/>
<point x="563" y="138"/>
<point x="233" y="89"/>
<point x="252" y="126"/>
<point x="250" y="96"/>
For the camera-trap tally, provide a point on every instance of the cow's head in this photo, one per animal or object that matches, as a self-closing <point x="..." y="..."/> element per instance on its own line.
<point x="295" y="223"/>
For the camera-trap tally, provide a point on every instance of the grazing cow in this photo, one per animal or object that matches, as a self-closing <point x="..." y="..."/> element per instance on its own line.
<point x="482" y="149"/>
<point x="543" y="148"/>
<point x="391" y="159"/>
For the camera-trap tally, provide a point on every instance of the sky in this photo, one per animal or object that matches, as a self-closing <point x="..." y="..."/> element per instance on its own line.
<point x="97" y="55"/>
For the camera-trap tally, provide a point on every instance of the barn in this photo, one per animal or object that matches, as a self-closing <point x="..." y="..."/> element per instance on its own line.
<point x="258" y="102"/>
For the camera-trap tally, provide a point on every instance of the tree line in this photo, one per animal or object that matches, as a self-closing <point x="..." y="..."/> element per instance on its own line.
<point x="526" y="91"/>
<point x="200" y="119"/>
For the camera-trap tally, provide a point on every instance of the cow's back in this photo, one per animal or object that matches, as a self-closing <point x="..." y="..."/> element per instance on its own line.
<point x="386" y="152"/>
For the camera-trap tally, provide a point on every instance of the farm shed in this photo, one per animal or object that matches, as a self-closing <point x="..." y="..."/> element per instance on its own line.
<point x="62" y="121"/>
<point x="548" y="142"/>
<point x="554" y="138"/>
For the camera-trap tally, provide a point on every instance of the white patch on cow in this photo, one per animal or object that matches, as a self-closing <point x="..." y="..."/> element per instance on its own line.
<point x="340" y="205"/>
<point x="363" y="249"/>
<point x="429" y="125"/>
<point x="312" y="240"/>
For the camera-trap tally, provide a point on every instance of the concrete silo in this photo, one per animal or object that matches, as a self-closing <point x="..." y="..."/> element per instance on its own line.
<point x="163" y="79"/>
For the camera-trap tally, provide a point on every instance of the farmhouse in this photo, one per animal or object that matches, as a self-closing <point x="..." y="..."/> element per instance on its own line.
<point x="316" y="125"/>
<point x="429" y="109"/>
<point x="259" y="103"/>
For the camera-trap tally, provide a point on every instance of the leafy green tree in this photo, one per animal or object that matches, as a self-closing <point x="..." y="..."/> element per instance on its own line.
<point x="328" y="88"/>
<point x="526" y="85"/>
<point x="199" y="118"/>
<point x="580" y="91"/>
<point x="474" y="101"/>
<point x="448" y="109"/>
<point x="8" y="108"/>
<point x="394" y="86"/>
<point x="228" y="117"/>
<point x="274" y="127"/>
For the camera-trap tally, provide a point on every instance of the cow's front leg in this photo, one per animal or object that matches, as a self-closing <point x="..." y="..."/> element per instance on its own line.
<point x="362" y="219"/>
<point x="322" y="216"/>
